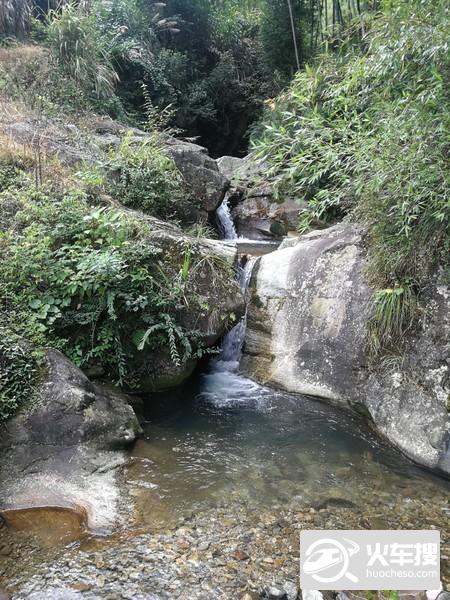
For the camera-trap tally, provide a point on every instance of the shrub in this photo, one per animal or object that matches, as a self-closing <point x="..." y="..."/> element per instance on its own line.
<point x="148" y="178"/>
<point x="19" y="372"/>
<point x="364" y="134"/>
<point x="90" y="282"/>
<point x="10" y="175"/>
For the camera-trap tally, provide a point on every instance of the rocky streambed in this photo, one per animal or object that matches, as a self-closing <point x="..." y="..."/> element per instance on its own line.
<point x="213" y="498"/>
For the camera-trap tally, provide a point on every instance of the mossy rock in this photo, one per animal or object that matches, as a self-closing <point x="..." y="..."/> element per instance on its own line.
<point x="278" y="229"/>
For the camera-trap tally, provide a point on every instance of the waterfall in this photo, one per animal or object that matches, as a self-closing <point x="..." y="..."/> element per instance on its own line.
<point x="230" y="355"/>
<point x="225" y="222"/>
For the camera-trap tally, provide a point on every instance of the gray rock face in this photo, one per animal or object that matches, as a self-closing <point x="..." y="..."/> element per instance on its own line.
<point x="62" y="450"/>
<point x="258" y="215"/>
<point x="207" y="184"/>
<point x="70" y="411"/>
<point x="306" y="333"/>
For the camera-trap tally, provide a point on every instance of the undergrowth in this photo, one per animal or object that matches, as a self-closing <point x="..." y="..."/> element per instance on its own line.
<point x="89" y="280"/>
<point x="20" y="368"/>
<point x="363" y="134"/>
<point x="147" y="177"/>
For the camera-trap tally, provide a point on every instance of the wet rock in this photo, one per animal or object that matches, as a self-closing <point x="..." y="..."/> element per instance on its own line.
<point x="335" y="503"/>
<point x="306" y="333"/>
<point x="257" y="213"/>
<point x="274" y="593"/>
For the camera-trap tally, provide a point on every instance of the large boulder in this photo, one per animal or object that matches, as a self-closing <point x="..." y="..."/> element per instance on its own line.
<point x="257" y="213"/>
<point x="216" y="301"/>
<point x="306" y="333"/>
<point x="206" y="183"/>
<point x="58" y="451"/>
<point x="70" y="411"/>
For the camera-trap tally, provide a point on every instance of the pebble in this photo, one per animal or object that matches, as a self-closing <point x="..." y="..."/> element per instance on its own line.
<point x="239" y="554"/>
<point x="231" y="551"/>
<point x="275" y="593"/>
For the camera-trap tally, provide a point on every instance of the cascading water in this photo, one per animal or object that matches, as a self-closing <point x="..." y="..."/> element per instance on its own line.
<point x="228" y="360"/>
<point x="225" y="222"/>
<point x="233" y="342"/>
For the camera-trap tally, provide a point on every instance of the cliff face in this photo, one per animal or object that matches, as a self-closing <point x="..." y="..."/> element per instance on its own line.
<point x="306" y="333"/>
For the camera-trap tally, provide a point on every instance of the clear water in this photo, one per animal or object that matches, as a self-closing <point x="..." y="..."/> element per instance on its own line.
<point x="225" y="221"/>
<point x="228" y="439"/>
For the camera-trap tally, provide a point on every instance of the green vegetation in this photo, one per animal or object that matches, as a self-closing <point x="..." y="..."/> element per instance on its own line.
<point x="81" y="56"/>
<point x="82" y="275"/>
<point x="363" y="134"/>
<point x="19" y="372"/>
<point x="90" y="282"/>
<point x="147" y="178"/>
<point x="210" y="63"/>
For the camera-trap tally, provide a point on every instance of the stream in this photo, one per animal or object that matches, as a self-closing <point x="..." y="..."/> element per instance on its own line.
<point x="215" y="492"/>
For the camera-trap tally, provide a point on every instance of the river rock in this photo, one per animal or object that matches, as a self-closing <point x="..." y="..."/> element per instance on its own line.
<point x="53" y="453"/>
<point x="306" y="333"/>
<point x="291" y="590"/>
<point x="274" y="593"/>
<point x="257" y="212"/>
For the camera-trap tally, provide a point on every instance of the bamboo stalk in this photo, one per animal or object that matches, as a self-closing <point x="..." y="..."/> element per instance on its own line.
<point x="294" y="36"/>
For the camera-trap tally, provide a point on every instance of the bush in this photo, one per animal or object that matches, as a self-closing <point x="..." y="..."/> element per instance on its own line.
<point x="148" y="178"/>
<point x="19" y="373"/>
<point x="90" y="282"/>
<point x="364" y="135"/>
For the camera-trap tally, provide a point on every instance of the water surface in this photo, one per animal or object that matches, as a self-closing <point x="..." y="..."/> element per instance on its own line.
<point x="226" y="438"/>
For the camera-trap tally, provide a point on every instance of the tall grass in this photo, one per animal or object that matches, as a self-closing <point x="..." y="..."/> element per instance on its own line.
<point x="364" y="135"/>
<point x="80" y="51"/>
